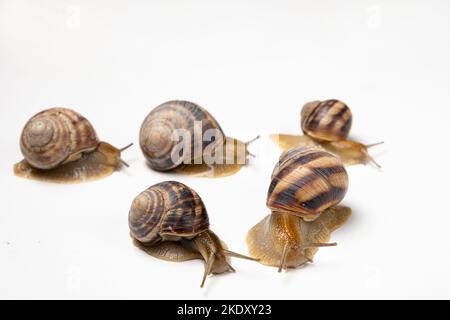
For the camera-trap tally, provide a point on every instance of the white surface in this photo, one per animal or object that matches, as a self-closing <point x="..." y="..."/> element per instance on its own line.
<point x="252" y="64"/>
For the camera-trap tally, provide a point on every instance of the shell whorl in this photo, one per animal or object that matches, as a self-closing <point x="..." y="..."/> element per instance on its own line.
<point x="329" y="120"/>
<point x="156" y="135"/>
<point x="167" y="209"/>
<point x="52" y="136"/>
<point x="306" y="182"/>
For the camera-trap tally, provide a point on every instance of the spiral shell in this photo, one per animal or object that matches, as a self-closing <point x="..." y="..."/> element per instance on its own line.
<point x="156" y="135"/>
<point x="306" y="182"/>
<point x="55" y="136"/>
<point x="329" y="120"/>
<point x="167" y="210"/>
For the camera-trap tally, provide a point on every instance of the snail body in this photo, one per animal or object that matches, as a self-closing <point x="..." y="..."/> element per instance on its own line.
<point x="326" y="125"/>
<point x="285" y="241"/>
<point x="160" y="143"/>
<point x="307" y="186"/>
<point x="169" y="221"/>
<point x="60" y="145"/>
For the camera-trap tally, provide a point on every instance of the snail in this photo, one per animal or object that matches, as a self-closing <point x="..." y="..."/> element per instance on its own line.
<point x="204" y="149"/>
<point x="307" y="186"/>
<point x="169" y="221"/>
<point x="326" y="124"/>
<point x="60" y="145"/>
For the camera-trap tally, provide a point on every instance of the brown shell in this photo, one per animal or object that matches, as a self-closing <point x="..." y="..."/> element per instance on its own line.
<point x="329" y="120"/>
<point x="156" y="132"/>
<point x="306" y="182"/>
<point x="56" y="136"/>
<point x="167" y="209"/>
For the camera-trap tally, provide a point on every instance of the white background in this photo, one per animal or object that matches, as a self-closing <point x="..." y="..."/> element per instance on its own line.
<point x="252" y="64"/>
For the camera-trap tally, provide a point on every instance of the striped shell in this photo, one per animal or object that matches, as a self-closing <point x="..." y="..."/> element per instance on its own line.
<point x="55" y="136"/>
<point x="329" y="120"/>
<point x="167" y="209"/>
<point x="306" y="182"/>
<point x="156" y="139"/>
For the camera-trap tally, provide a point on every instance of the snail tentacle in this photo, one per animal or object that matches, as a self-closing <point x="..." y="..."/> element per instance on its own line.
<point x="208" y="268"/>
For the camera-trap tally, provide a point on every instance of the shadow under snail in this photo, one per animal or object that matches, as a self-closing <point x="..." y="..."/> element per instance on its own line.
<point x="169" y="221"/>
<point x="326" y="124"/>
<point x="307" y="186"/>
<point x="159" y="145"/>
<point x="60" y="145"/>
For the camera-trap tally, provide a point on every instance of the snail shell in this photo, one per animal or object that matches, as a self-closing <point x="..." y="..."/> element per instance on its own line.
<point x="56" y="136"/>
<point x="329" y="120"/>
<point x="156" y="134"/>
<point x="306" y="182"/>
<point x="167" y="211"/>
